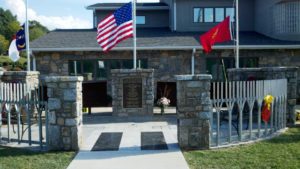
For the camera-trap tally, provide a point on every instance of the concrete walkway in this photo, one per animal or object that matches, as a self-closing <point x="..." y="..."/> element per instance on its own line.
<point x="129" y="155"/>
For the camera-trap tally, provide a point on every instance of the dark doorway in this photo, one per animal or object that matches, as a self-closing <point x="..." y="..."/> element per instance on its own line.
<point x="168" y="90"/>
<point x="95" y="95"/>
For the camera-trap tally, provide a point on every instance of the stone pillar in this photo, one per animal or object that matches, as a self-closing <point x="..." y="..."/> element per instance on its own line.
<point x="65" y="112"/>
<point x="268" y="73"/>
<point x="132" y="92"/>
<point x="193" y="111"/>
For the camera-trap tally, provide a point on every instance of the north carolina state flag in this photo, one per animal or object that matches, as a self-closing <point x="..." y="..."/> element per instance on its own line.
<point x="219" y="33"/>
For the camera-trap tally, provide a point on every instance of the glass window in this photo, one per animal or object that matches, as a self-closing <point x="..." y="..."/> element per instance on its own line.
<point x="115" y="64"/>
<point x="140" y="20"/>
<point x="72" y="67"/>
<point x="88" y="66"/>
<point x="198" y="14"/>
<point x="230" y="12"/>
<point x="101" y="73"/>
<point x="219" y="14"/>
<point x="208" y="14"/>
<point x="144" y="63"/>
<point x="127" y="64"/>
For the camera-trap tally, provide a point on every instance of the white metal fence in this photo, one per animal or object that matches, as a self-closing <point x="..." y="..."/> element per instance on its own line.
<point x="23" y="114"/>
<point x="237" y="108"/>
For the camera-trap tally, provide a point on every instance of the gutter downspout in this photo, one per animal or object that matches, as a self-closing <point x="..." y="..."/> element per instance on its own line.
<point x="193" y="61"/>
<point x="175" y="16"/>
<point x="33" y="62"/>
<point x="95" y="18"/>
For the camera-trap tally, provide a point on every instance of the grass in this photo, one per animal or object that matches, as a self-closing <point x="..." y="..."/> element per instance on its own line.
<point x="280" y="152"/>
<point x="13" y="158"/>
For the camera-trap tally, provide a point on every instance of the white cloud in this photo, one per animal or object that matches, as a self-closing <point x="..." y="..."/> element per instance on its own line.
<point x="18" y="8"/>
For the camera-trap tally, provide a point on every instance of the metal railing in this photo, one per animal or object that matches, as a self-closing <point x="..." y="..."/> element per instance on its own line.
<point x="23" y="106"/>
<point x="237" y="108"/>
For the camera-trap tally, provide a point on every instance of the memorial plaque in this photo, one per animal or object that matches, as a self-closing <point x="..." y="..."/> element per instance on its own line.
<point x="132" y="93"/>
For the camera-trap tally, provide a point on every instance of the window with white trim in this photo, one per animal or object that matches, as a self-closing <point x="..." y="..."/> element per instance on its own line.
<point x="140" y="20"/>
<point x="210" y="15"/>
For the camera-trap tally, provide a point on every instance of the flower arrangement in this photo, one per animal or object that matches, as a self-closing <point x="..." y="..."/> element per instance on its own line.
<point x="162" y="103"/>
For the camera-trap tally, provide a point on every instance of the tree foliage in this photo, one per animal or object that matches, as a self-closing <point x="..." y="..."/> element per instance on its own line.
<point x="36" y="30"/>
<point x="3" y="44"/>
<point x="7" y="23"/>
<point x="9" y="26"/>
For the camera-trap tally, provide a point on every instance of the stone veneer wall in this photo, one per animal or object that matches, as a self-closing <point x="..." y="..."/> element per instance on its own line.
<point x="267" y="73"/>
<point x="193" y="111"/>
<point x="166" y="63"/>
<point x="118" y="75"/>
<point x="65" y="112"/>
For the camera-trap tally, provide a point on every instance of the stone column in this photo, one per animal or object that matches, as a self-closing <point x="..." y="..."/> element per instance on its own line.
<point x="132" y="92"/>
<point x="193" y="111"/>
<point x="65" y="112"/>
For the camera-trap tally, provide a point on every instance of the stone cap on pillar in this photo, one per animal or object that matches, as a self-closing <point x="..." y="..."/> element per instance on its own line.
<point x="114" y="71"/>
<point x="20" y="73"/>
<point x="193" y="77"/>
<point x="264" y="69"/>
<point x="63" y="79"/>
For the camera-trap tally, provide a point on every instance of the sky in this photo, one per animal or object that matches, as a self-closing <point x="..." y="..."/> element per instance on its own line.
<point x="57" y="14"/>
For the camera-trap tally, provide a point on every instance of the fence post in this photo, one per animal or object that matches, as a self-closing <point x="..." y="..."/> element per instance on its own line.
<point x="1" y="73"/>
<point x="65" y="112"/>
<point x="193" y="111"/>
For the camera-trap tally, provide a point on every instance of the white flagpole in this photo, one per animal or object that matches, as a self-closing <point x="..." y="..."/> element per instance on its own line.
<point x="237" y="62"/>
<point x="27" y="37"/>
<point x="134" y="32"/>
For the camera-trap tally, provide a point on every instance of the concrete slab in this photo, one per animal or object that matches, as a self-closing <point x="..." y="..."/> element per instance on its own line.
<point x="130" y="155"/>
<point x="129" y="160"/>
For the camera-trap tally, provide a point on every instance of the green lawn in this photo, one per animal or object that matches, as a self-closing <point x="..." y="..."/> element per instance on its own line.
<point x="13" y="158"/>
<point x="282" y="152"/>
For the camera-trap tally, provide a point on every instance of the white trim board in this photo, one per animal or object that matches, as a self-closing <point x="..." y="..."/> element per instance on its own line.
<point x="249" y="47"/>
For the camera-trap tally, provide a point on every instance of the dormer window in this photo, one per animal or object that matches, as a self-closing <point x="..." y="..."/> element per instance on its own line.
<point x="210" y="15"/>
<point x="230" y="12"/>
<point x="219" y="14"/>
<point x="198" y="14"/>
<point x="140" y="20"/>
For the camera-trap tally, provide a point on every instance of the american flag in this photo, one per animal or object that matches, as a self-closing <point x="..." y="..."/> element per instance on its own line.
<point x="115" y="28"/>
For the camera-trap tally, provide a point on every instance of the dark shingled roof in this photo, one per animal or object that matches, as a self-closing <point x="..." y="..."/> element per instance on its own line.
<point x="156" y="38"/>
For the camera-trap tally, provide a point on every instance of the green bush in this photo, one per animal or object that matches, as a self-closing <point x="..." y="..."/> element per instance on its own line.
<point x="8" y="64"/>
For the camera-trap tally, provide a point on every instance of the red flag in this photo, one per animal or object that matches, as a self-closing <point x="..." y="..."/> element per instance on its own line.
<point x="219" y="33"/>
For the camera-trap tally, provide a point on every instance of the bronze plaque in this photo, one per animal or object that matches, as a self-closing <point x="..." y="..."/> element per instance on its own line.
<point x="132" y="93"/>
